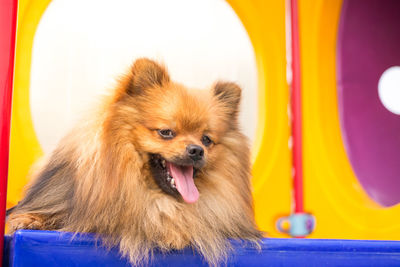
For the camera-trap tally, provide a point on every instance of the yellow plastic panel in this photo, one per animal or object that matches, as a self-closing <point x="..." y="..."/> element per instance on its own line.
<point x="24" y="146"/>
<point x="265" y="24"/>
<point x="332" y="192"/>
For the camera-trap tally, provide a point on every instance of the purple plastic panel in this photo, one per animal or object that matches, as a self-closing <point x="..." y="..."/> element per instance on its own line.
<point x="368" y="44"/>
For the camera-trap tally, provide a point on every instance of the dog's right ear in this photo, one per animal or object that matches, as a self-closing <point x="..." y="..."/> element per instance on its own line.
<point x="229" y="95"/>
<point x="146" y="73"/>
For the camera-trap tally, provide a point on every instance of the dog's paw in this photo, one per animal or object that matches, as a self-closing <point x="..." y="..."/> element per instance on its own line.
<point x="24" y="221"/>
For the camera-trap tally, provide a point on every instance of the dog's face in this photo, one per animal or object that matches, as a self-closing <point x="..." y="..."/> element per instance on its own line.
<point x="179" y="129"/>
<point x="178" y="136"/>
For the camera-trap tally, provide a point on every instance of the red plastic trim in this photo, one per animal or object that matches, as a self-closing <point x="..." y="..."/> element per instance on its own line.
<point x="296" y="110"/>
<point x="8" y="16"/>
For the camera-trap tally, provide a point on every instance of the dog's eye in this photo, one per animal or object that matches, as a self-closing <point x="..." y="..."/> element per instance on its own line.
<point x="206" y="140"/>
<point x="166" y="133"/>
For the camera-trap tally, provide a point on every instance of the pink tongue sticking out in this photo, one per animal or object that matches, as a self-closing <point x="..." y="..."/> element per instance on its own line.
<point x="183" y="176"/>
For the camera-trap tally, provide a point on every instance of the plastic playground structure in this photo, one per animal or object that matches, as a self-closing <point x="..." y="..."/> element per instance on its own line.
<point x="345" y="152"/>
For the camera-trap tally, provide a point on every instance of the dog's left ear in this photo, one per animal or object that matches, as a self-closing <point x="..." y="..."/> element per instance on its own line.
<point x="229" y="94"/>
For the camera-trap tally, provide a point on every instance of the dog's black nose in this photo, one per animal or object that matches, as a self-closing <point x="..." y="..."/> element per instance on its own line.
<point x="195" y="152"/>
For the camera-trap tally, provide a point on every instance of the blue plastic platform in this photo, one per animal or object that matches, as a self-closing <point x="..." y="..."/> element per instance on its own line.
<point x="47" y="248"/>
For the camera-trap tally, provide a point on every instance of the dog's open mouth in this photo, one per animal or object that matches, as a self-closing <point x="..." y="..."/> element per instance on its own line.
<point x="174" y="179"/>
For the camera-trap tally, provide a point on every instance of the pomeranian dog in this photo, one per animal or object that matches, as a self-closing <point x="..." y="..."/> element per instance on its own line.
<point x="159" y="167"/>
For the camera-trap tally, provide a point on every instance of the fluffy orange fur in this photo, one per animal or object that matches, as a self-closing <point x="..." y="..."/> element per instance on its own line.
<point x="99" y="180"/>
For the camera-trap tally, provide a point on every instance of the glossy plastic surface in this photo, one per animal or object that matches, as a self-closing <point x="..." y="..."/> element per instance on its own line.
<point x="368" y="41"/>
<point x="46" y="248"/>
<point x="297" y="150"/>
<point x="8" y="13"/>
<point x="333" y="194"/>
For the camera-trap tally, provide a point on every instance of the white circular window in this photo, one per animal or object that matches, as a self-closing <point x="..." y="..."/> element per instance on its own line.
<point x="389" y="89"/>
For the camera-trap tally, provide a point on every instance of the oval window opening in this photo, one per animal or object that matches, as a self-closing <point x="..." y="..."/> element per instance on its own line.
<point x="81" y="47"/>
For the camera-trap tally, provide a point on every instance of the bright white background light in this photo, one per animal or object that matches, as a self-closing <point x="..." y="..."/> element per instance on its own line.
<point x="389" y="89"/>
<point x="81" y="46"/>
